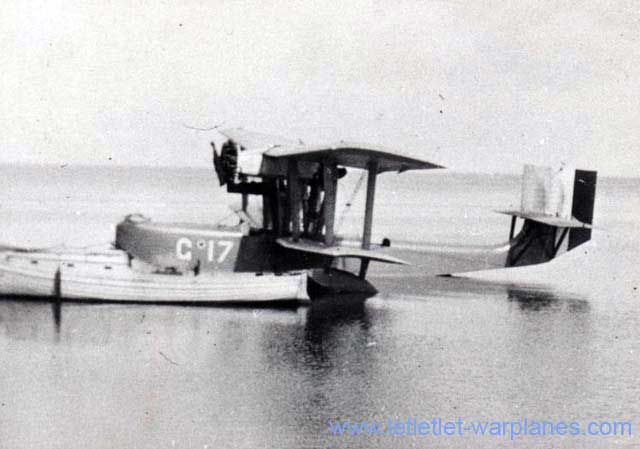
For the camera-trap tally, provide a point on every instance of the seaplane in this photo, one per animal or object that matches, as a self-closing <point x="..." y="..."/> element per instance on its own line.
<point x="291" y="252"/>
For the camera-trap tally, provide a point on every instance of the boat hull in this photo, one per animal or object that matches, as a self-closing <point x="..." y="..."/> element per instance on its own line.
<point x="108" y="277"/>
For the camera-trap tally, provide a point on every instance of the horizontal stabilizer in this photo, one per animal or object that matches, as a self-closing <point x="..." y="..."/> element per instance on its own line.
<point x="314" y="247"/>
<point x="550" y="220"/>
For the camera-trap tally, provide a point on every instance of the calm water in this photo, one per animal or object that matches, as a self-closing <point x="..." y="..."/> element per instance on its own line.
<point x="104" y="376"/>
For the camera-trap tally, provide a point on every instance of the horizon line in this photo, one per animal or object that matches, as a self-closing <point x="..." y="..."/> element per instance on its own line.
<point x="112" y="165"/>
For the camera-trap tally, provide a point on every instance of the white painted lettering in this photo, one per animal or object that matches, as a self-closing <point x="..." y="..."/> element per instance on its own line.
<point x="227" y="245"/>
<point x="183" y="248"/>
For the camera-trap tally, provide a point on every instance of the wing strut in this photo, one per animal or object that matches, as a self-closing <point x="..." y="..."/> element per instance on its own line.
<point x="294" y="198"/>
<point x="372" y="174"/>
<point x="330" y="180"/>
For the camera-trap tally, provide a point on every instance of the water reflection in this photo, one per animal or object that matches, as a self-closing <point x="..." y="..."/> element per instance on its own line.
<point x="276" y="377"/>
<point x="330" y="323"/>
<point x="24" y="318"/>
<point x="325" y="314"/>
<point x="337" y="356"/>
<point x="535" y="300"/>
<point x="56" y="308"/>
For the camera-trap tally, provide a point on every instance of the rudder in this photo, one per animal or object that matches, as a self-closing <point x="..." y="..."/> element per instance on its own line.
<point x="584" y="194"/>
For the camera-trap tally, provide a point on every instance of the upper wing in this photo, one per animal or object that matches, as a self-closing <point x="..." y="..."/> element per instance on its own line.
<point x="267" y="155"/>
<point x="354" y="155"/>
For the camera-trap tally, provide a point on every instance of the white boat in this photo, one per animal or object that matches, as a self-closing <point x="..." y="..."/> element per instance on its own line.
<point x="108" y="276"/>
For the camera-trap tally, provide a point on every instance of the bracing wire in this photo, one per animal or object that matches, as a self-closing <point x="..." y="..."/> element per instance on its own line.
<point x="348" y="204"/>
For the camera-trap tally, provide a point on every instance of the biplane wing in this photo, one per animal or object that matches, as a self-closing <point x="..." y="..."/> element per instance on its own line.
<point x="311" y="246"/>
<point x="266" y="155"/>
<point x="355" y="155"/>
<point x="307" y="197"/>
<point x="550" y="220"/>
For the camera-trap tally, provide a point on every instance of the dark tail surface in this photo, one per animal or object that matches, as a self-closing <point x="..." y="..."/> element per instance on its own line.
<point x="540" y="242"/>
<point x="584" y="195"/>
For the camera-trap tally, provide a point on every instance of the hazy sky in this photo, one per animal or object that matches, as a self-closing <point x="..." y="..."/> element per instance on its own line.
<point x="485" y="85"/>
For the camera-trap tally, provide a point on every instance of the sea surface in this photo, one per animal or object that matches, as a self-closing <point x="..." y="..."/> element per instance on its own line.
<point x="149" y="376"/>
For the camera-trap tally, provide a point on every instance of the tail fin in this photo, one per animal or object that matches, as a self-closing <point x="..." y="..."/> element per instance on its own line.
<point x="584" y="194"/>
<point x="546" y="219"/>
